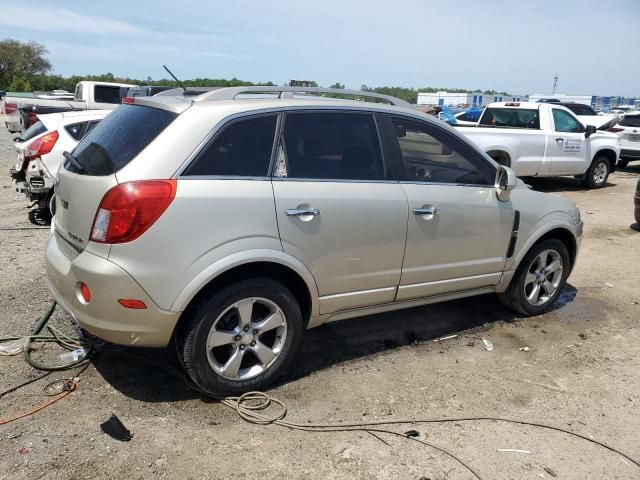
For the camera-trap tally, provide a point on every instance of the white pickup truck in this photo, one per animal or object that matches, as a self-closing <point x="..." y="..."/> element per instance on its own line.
<point x="20" y="112"/>
<point x="545" y="140"/>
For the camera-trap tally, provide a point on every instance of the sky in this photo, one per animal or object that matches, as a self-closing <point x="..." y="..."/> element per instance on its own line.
<point x="515" y="46"/>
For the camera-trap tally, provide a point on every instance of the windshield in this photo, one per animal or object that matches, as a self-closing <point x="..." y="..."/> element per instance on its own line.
<point x="119" y="138"/>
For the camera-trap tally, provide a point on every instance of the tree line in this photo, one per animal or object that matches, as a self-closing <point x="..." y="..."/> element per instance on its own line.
<point x="24" y="68"/>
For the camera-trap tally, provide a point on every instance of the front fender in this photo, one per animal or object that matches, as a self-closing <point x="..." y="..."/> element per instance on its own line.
<point x="242" y="258"/>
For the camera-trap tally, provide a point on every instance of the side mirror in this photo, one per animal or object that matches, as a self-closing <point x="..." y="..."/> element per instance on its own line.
<point x="589" y="130"/>
<point x="506" y="181"/>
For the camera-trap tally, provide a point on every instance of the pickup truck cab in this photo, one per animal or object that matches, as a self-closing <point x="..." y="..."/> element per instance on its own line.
<point x="20" y="112"/>
<point x="545" y="140"/>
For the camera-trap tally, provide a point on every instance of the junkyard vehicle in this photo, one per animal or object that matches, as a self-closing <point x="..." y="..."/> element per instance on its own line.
<point x="628" y="130"/>
<point x="40" y="151"/>
<point x="231" y="223"/>
<point x="546" y="140"/>
<point x="20" y="112"/>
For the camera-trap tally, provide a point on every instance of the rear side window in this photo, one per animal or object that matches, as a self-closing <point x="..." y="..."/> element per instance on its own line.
<point x="107" y="94"/>
<point x="120" y="137"/>
<point x="341" y="146"/>
<point x="75" y="130"/>
<point x="511" y="118"/>
<point x="630" y="121"/>
<point x="243" y="148"/>
<point x="33" y="131"/>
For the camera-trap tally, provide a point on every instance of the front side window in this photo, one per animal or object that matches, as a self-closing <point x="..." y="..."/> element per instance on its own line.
<point x="565" y="122"/>
<point x="430" y="155"/>
<point x="243" y="148"/>
<point x="511" y="118"/>
<point x="330" y="145"/>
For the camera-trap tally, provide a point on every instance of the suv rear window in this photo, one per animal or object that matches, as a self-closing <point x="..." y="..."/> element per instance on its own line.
<point x="511" y="118"/>
<point x="120" y="137"/>
<point x="33" y="131"/>
<point x="578" y="109"/>
<point x="630" y="121"/>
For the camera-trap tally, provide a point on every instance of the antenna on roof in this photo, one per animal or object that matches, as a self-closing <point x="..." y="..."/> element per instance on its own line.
<point x="176" y="79"/>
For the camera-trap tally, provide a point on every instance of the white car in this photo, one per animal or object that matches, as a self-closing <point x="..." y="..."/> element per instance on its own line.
<point x="628" y="131"/>
<point x="546" y="140"/>
<point x="40" y="151"/>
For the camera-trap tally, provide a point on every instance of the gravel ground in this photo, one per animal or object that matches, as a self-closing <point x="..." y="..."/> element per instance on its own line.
<point x="581" y="372"/>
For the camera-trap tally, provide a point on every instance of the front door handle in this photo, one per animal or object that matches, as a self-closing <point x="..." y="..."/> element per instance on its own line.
<point x="302" y="212"/>
<point x="426" y="211"/>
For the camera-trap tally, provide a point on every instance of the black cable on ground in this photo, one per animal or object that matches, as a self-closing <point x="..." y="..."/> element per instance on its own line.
<point x="28" y="382"/>
<point x="251" y="405"/>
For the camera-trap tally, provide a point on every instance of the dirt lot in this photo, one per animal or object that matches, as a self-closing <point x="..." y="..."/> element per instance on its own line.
<point x="582" y="372"/>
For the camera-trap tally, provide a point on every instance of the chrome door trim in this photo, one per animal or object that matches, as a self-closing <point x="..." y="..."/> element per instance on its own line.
<point x="350" y="300"/>
<point x="428" y="289"/>
<point x="401" y="305"/>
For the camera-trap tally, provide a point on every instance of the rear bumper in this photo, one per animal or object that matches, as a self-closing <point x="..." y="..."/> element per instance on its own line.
<point x="103" y="316"/>
<point x="630" y="153"/>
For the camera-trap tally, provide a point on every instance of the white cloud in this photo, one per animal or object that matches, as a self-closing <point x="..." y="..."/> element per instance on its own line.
<point x="46" y="19"/>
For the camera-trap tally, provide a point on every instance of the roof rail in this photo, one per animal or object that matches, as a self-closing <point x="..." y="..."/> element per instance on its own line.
<point x="230" y="93"/>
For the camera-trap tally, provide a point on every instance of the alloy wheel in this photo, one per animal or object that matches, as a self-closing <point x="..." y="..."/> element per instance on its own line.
<point x="246" y="338"/>
<point x="543" y="277"/>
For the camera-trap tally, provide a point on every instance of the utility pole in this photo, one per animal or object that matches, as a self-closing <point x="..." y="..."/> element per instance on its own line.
<point x="555" y="82"/>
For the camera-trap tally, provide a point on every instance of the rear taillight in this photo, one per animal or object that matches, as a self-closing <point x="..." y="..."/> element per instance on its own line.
<point x="32" y="117"/>
<point x="129" y="209"/>
<point x="41" y="145"/>
<point x="615" y="129"/>
<point x="9" y="108"/>
<point x="128" y="99"/>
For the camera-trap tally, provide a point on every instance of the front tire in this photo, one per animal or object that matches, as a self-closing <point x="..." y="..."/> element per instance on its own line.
<point x="242" y="337"/>
<point x="539" y="279"/>
<point x="598" y="173"/>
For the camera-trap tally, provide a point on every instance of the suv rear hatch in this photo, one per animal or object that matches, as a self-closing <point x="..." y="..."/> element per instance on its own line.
<point x="91" y="171"/>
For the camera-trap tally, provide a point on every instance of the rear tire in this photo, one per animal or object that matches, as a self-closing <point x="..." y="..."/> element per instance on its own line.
<point x="537" y="282"/>
<point x="242" y="337"/>
<point x="598" y="173"/>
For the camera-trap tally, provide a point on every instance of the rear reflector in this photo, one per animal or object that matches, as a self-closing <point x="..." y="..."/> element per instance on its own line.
<point x="85" y="292"/>
<point x="129" y="209"/>
<point x="131" y="303"/>
<point x="615" y="129"/>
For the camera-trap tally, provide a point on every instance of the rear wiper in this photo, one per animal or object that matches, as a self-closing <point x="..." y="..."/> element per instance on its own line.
<point x="74" y="161"/>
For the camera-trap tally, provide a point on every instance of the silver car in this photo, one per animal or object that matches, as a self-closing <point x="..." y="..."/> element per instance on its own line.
<point x="231" y="221"/>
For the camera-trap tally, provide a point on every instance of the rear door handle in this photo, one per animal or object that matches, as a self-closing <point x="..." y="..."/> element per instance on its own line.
<point x="302" y="212"/>
<point x="426" y="211"/>
<point x="559" y="139"/>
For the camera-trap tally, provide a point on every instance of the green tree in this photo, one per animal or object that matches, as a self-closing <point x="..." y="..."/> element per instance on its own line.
<point x="338" y="86"/>
<point x="20" y="62"/>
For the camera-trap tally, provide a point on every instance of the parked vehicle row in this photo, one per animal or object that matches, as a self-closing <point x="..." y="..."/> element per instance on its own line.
<point x="231" y="224"/>
<point x="20" y="112"/>
<point x="545" y="139"/>
<point x="40" y="153"/>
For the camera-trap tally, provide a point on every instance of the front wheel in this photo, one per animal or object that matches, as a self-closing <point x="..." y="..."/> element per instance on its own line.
<point x="242" y="337"/>
<point x="539" y="279"/>
<point x="596" y="176"/>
